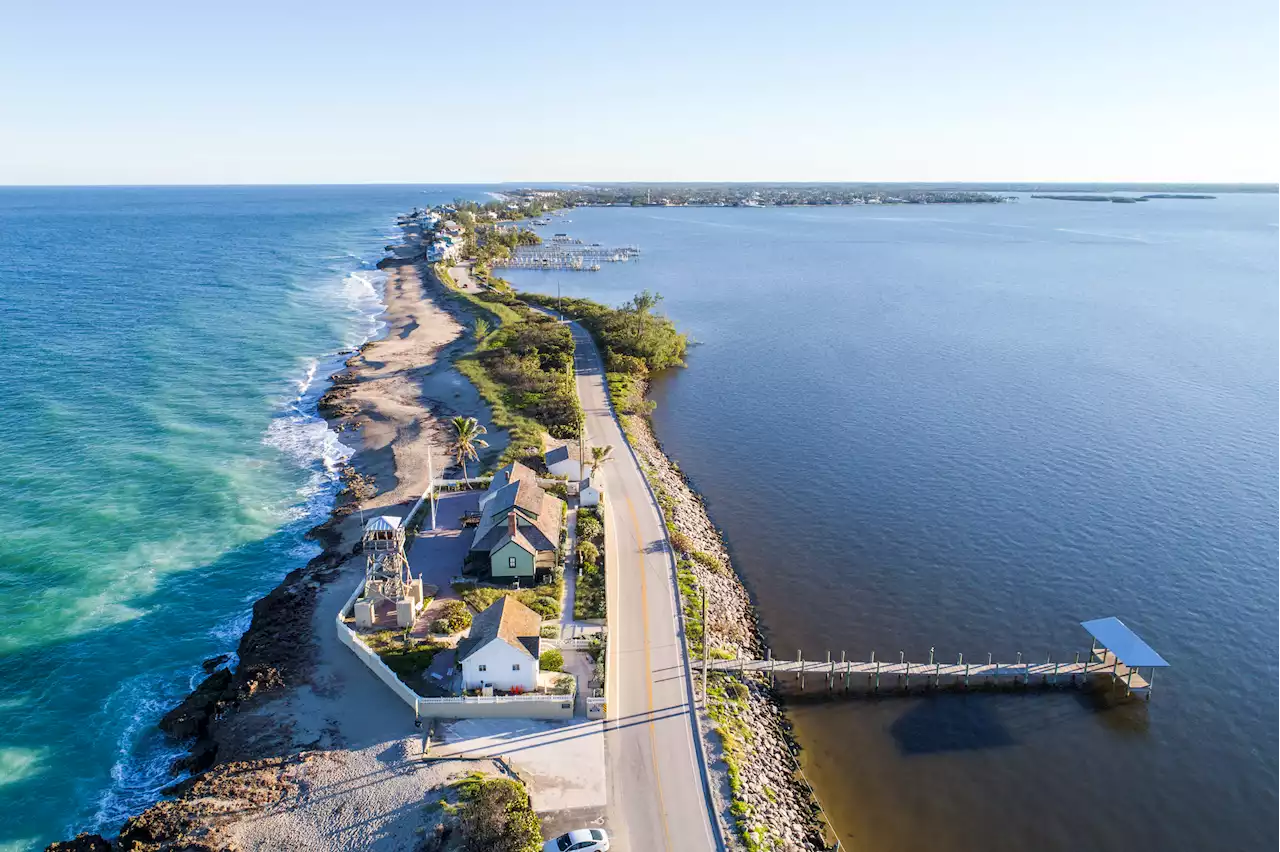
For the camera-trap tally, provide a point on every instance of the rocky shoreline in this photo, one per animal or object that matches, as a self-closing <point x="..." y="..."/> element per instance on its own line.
<point x="780" y="806"/>
<point x="247" y="744"/>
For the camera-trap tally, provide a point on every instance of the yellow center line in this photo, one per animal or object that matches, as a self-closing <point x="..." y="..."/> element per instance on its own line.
<point x="648" y="674"/>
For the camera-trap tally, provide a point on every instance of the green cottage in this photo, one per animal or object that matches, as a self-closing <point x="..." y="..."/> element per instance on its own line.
<point x="518" y="536"/>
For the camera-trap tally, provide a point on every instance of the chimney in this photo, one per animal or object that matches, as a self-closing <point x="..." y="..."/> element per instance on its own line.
<point x="511" y="523"/>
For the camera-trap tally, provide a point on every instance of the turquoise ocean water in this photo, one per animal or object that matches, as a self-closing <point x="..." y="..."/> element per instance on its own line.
<point x="162" y="459"/>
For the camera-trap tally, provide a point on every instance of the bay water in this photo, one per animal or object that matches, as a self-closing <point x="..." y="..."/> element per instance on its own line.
<point x="162" y="459"/>
<point x="965" y="429"/>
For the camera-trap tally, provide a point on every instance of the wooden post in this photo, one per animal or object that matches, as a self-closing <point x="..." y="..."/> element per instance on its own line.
<point x="876" y="675"/>
<point x="990" y="675"/>
<point x="830" y="673"/>
<point x="1024" y="673"/>
<point x="845" y="664"/>
<point x="902" y="657"/>
<point x="800" y="671"/>
<point x="1151" y="683"/>
<point x="966" y="672"/>
<point x="1083" y="673"/>
<point x="705" y="655"/>
<point x="768" y="655"/>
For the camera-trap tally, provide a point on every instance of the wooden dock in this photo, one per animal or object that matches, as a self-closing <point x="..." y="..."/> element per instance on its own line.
<point x="900" y="674"/>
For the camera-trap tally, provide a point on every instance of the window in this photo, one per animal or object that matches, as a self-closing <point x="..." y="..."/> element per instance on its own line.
<point x="511" y="562"/>
<point x="516" y="667"/>
<point x="482" y="667"/>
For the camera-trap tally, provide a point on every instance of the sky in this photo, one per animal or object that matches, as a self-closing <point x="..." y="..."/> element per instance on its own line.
<point x="345" y="92"/>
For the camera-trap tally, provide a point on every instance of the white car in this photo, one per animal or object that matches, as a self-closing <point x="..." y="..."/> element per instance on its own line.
<point x="579" y="840"/>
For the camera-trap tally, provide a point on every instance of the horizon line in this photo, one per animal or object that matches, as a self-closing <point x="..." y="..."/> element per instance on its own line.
<point x="575" y="183"/>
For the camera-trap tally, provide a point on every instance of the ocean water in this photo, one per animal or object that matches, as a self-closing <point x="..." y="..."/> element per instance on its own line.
<point x="970" y="428"/>
<point x="162" y="460"/>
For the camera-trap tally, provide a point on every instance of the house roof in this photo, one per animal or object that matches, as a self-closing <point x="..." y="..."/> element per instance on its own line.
<point x="383" y="523"/>
<point x="515" y="487"/>
<point x="506" y="619"/>
<point x="510" y="473"/>
<point x="522" y="493"/>
<point x="513" y="532"/>
<point x="559" y="454"/>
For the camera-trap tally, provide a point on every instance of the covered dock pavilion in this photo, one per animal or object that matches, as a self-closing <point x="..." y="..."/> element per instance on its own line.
<point x="1123" y="655"/>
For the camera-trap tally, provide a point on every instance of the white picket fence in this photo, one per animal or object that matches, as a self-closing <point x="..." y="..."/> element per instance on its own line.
<point x="496" y="699"/>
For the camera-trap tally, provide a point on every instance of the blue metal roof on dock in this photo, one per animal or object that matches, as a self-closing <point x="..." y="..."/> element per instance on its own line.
<point x="1124" y="643"/>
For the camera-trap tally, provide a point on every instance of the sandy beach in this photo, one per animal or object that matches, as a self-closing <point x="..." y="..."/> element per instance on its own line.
<point x="300" y="747"/>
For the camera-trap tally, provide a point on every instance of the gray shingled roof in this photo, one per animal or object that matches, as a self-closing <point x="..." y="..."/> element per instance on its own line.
<point x="506" y="619"/>
<point x="559" y="454"/>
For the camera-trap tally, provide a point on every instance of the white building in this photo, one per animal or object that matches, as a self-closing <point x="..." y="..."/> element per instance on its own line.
<point x="503" y="648"/>
<point x="588" y="493"/>
<point x="561" y="463"/>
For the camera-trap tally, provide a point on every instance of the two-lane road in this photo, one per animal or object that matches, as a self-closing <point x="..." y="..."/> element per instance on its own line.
<point x="657" y="798"/>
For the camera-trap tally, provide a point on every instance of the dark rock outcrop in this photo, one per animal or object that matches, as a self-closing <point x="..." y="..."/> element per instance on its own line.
<point x="82" y="843"/>
<point x="213" y="662"/>
<point x="191" y="718"/>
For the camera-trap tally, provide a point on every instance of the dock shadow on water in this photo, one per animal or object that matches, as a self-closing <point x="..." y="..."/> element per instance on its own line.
<point x="952" y="720"/>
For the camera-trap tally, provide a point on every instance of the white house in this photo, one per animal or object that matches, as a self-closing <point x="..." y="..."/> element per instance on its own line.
<point x="503" y="648"/>
<point x="588" y="493"/>
<point x="561" y="463"/>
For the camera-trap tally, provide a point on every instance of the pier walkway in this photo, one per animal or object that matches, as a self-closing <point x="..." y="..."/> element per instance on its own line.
<point x="1118" y="654"/>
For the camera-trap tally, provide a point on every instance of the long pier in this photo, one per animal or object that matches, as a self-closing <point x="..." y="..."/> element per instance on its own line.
<point x="1101" y="662"/>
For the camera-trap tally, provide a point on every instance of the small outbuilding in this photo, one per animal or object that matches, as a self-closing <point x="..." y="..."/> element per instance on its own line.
<point x="560" y="462"/>
<point x="503" y="648"/>
<point x="588" y="493"/>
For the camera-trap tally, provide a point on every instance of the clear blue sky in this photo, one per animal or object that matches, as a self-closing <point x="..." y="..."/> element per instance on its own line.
<point x="327" y="92"/>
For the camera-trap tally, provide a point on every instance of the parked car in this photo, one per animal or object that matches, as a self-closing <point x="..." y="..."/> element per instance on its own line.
<point x="579" y="840"/>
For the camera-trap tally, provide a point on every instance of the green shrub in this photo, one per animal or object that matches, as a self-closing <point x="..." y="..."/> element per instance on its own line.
<point x="706" y="560"/>
<point x="588" y="553"/>
<point x="495" y="815"/>
<point x="564" y="685"/>
<point x="551" y="660"/>
<point x="455" y="615"/>
<point x="680" y="542"/>
<point x="589" y="526"/>
<point x="551" y="631"/>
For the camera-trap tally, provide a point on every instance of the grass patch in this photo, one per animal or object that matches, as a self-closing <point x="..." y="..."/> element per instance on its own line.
<point x="726" y="706"/>
<point x="544" y="599"/>
<point x="706" y="560"/>
<point x="408" y="659"/>
<point x="691" y="600"/>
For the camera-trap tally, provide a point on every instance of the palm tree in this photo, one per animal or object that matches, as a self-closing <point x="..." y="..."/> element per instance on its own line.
<point x="600" y="455"/>
<point x="467" y="432"/>
<point x="482" y="329"/>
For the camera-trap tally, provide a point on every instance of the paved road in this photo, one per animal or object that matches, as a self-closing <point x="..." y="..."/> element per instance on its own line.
<point x="655" y="787"/>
